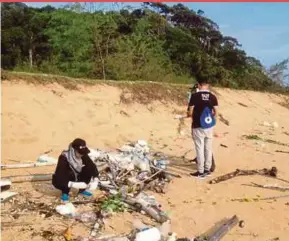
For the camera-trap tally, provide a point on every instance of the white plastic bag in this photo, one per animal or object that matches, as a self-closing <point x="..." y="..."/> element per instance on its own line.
<point x="94" y="154"/>
<point x="46" y="159"/>
<point x="141" y="162"/>
<point x="66" y="209"/>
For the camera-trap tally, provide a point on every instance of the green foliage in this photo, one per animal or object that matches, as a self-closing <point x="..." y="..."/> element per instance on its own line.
<point x="154" y="43"/>
<point x="252" y="137"/>
<point x="113" y="204"/>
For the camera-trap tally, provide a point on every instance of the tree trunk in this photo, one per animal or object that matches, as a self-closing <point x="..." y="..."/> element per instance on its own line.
<point x="102" y="61"/>
<point x="30" y="58"/>
<point x="31" y="53"/>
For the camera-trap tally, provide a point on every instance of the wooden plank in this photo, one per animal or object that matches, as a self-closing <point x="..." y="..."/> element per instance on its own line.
<point x="30" y="178"/>
<point x="39" y="177"/>
<point x="27" y="165"/>
<point x="39" y="164"/>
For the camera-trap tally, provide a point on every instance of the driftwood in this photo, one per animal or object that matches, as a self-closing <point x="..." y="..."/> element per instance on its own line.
<point x="39" y="164"/>
<point x="287" y="152"/>
<point x="111" y="179"/>
<point x="27" y="165"/>
<point x="264" y="172"/>
<point x="151" y="211"/>
<point x="30" y="178"/>
<point x="150" y="177"/>
<point x="272" y="198"/>
<point x="260" y="199"/>
<point x="222" y="119"/>
<point x="272" y="187"/>
<point x="39" y="177"/>
<point x="119" y="177"/>
<point x="166" y="172"/>
<point x="221" y="231"/>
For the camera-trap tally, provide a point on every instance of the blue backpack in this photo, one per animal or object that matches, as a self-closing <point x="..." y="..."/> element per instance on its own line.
<point x="207" y="120"/>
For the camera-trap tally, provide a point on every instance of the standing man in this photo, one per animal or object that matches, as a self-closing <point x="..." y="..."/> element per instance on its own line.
<point x="195" y="89"/>
<point x="203" y="110"/>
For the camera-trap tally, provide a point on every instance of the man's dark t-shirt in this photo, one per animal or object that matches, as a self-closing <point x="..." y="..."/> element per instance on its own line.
<point x="200" y="101"/>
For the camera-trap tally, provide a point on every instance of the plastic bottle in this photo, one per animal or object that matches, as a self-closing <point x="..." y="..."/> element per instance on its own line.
<point x="139" y="225"/>
<point x="165" y="229"/>
<point x="172" y="237"/>
<point x="152" y="234"/>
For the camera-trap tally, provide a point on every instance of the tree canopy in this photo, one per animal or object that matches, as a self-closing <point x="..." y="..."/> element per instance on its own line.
<point x="155" y="42"/>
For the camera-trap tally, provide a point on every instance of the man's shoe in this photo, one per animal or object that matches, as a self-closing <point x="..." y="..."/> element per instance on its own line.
<point x="207" y="173"/>
<point x="198" y="175"/>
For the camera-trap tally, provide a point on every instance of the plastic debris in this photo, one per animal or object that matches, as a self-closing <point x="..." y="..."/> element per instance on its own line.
<point x="68" y="234"/>
<point x="66" y="210"/>
<point x="152" y="234"/>
<point x="46" y="159"/>
<point x="6" y="196"/>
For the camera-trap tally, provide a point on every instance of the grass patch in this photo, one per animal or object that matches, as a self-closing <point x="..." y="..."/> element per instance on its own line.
<point x="132" y="91"/>
<point x="252" y="137"/>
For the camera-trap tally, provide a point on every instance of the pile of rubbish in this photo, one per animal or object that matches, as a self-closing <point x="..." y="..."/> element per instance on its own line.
<point x="140" y="231"/>
<point x="132" y="168"/>
<point x="125" y="175"/>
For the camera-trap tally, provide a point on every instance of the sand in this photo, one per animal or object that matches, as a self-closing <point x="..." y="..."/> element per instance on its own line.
<point x="36" y="119"/>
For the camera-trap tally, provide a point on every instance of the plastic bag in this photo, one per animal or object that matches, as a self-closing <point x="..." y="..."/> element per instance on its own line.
<point x="67" y="209"/>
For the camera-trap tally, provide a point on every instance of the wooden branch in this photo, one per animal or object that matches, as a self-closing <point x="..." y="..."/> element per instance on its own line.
<point x="222" y="119"/>
<point x="149" y="178"/>
<point x="39" y="164"/>
<point x="30" y="178"/>
<point x="167" y="172"/>
<point x="38" y="177"/>
<point x="260" y="199"/>
<point x="280" y="151"/>
<point x="264" y="172"/>
<point x="272" y="187"/>
<point x="128" y="172"/>
<point x="112" y="181"/>
<point x="272" y="198"/>
<point x="27" y="165"/>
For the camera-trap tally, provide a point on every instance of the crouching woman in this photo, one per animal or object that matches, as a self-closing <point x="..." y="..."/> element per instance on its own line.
<point x="75" y="169"/>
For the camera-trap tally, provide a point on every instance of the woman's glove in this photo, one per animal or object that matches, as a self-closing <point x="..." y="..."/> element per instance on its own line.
<point x="77" y="185"/>
<point x="93" y="184"/>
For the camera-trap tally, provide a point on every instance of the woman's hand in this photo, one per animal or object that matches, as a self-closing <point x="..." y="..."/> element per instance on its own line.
<point x="77" y="185"/>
